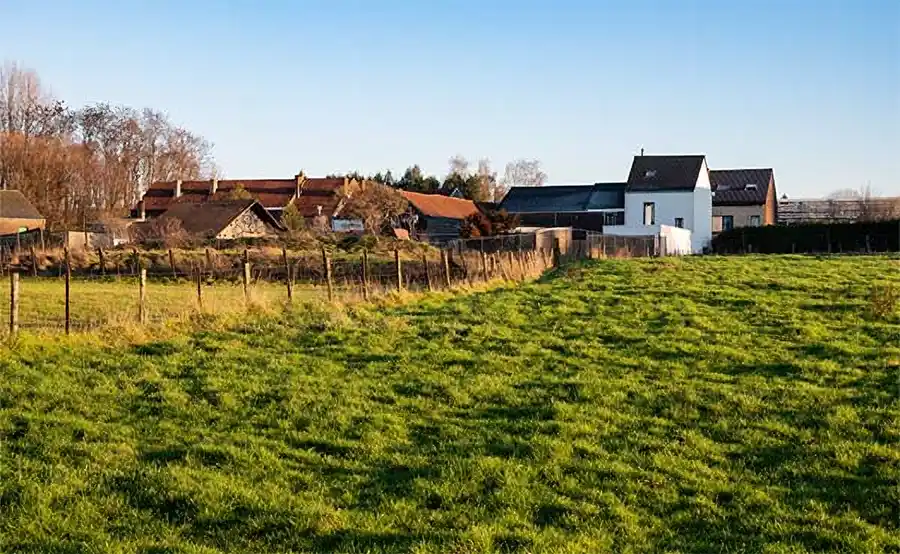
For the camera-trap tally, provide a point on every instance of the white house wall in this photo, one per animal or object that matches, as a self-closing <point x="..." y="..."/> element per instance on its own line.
<point x="669" y="205"/>
<point x="702" y="229"/>
<point x="677" y="241"/>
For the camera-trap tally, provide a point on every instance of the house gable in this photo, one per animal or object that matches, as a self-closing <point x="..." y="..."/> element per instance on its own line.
<point x="666" y="173"/>
<point x="248" y="224"/>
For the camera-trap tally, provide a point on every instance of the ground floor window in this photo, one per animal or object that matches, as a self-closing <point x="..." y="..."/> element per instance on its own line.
<point x="679" y="222"/>
<point x="614" y="218"/>
<point x="727" y="222"/>
<point x="754" y="221"/>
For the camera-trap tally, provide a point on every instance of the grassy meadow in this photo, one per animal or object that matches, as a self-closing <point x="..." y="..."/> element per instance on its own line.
<point x="688" y="405"/>
<point x="98" y="302"/>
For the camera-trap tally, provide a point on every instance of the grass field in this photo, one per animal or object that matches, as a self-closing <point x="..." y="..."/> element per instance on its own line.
<point x="675" y="405"/>
<point x="102" y="302"/>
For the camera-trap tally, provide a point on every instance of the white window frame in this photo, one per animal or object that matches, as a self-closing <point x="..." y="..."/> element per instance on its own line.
<point x="652" y="206"/>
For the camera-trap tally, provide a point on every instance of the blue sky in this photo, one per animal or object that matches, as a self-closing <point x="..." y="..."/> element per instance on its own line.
<point x="811" y="88"/>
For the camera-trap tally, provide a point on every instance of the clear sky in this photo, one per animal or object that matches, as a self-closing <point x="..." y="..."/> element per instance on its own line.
<point x="809" y="87"/>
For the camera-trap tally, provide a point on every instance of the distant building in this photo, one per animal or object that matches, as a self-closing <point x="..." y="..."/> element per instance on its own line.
<point x="671" y="190"/>
<point x="437" y="218"/>
<point x="215" y="219"/>
<point x="17" y="214"/>
<point x="313" y="197"/>
<point x="589" y="207"/>
<point x="743" y="198"/>
<point x="837" y="210"/>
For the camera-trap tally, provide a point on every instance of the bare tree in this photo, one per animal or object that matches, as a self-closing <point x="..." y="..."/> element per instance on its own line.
<point x="458" y="166"/>
<point x="99" y="159"/>
<point x="375" y="204"/>
<point x="524" y="173"/>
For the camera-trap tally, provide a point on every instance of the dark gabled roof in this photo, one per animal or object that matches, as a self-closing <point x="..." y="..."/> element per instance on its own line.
<point x="14" y="205"/>
<point x="208" y="219"/>
<point x="664" y="173"/>
<point x="552" y="198"/>
<point x="607" y="196"/>
<point x="564" y="198"/>
<point x="729" y="186"/>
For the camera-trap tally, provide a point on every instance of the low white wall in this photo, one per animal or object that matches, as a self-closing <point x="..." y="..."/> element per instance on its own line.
<point x="677" y="240"/>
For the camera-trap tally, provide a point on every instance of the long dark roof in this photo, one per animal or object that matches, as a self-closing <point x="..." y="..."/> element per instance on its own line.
<point x="729" y="186"/>
<point x="14" y="205"/>
<point x="564" y="198"/>
<point x="664" y="173"/>
<point x="210" y="218"/>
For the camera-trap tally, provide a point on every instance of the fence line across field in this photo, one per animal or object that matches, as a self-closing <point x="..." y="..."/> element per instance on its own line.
<point x="514" y="259"/>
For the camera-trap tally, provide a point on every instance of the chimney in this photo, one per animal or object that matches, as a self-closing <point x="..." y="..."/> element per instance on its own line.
<point x="178" y="188"/>
<point x="642" y="152"/>
<point x="142" y="212"/>
<point x="301" y="178"/>
<point x="214" y="187"/>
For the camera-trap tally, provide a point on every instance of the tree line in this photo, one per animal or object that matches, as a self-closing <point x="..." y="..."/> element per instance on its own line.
<point x="480" y="183"/>
<point x="89" y="163"/>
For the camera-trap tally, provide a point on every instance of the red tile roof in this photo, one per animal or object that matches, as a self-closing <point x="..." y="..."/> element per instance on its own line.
<point x="319" y="192"/>
<point x="436" y="205"/>
<point x="271" y="193"/>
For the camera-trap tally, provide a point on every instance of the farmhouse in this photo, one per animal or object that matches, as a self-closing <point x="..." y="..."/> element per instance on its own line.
<point x="436" y="218"/>
<point x="670" y="191"/>
<point x="590" y="207"/>
<point x="314" y="197"/>
<point x="17" y="214"/>
<point x="217" y="219"/>
<point x="743" y="198"/>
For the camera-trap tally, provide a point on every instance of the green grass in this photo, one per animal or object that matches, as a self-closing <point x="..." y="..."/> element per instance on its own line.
<point x="676" y="405"/>
<point x="101" y="302"/>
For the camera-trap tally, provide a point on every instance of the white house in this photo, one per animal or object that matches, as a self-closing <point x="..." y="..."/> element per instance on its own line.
<point x="673" y="191"/>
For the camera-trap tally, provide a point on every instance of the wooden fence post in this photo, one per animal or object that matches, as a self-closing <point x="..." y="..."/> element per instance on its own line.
<point x="199" y="287"/>
<point x="142" y="297"/>
<point x="484" y="271"/>
<point x="287" y="274"/>
<point x="427" y="272"/>
<point x="326" y="264"/>
<point x="365" y="274"/>
<point x="172" y="263"/>
<point x="445" y="258"/>
<point x="43" y="246"/>
<point x="68" y="279"/>
<point x="398" y="266"/>
<point x="102" y="261"/>
<point x="246" y="280"/>
<point x="868" y="245"/>
<point x="13" y="303"/>
<point x="34" y="263"/>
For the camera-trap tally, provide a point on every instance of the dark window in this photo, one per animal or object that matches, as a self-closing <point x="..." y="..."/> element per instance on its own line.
<point x="614" y="218"/>
<point x="679" y="222"/>
<point x="727" y="222"/>
<point x="649" y="213"/>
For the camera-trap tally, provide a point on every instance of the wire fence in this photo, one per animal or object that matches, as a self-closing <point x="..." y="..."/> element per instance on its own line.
<point x="74" y="291"/>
